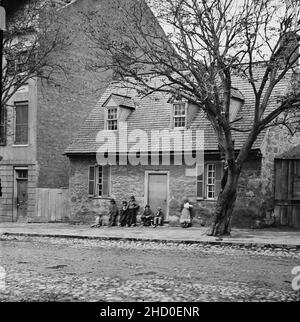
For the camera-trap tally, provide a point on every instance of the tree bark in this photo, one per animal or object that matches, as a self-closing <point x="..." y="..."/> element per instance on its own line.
<point x="221" y="224"/>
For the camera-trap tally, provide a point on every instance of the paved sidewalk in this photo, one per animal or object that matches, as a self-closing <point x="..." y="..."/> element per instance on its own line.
<point x="261" y="237"/>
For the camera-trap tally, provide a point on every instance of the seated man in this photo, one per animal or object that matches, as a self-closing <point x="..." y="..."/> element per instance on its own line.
<point x="147" y="216"/>
<point x="158" y="217"/>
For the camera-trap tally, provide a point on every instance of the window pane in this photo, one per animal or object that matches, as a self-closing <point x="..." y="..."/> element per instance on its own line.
<point x="112" y="113"/>
<point x="179" y="115"/>
<point x="210" y="181"/>
<point x="91" y="180"/>
<point x="99" y="184"/>
<point x="112" y="125"/>
<point x="21" y="130"/>
<point x="179" y="109"/>
<point x="99" y="190"/>
<point x="22" y="174"/>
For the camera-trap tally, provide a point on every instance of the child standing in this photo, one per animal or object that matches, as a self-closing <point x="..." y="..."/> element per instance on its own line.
<point x="113" y="213"/>
<point x="133" y="208"/>
<point x="124" y="214"/>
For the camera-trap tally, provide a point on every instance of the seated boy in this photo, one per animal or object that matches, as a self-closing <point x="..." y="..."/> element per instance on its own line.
<point x="147" y="216"/>
<point x="98" y="222"/>
<point x="158" y="217"/>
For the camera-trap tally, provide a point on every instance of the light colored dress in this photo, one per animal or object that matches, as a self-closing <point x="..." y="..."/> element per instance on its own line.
<point x="185" y="213"/>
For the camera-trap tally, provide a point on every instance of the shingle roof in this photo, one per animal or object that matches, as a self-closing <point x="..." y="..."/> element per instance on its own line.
<point x="153" y="113"/>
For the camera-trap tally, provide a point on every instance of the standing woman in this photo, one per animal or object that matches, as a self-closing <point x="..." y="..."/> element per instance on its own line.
<point x="185" y="218"/>
<point x="133" y="208"/>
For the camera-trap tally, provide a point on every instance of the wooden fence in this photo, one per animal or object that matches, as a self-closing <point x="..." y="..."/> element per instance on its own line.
<point x="52" y="204"/>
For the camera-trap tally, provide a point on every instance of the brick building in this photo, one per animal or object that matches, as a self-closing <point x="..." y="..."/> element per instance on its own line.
<point x="92" y="185"/>
<point x="42" y="117"/>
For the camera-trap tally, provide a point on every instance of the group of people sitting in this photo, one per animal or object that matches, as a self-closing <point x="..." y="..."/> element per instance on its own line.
<point x="127" y="215"/>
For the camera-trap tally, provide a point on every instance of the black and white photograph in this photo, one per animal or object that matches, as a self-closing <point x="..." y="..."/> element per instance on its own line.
<point x="149" y="154"/>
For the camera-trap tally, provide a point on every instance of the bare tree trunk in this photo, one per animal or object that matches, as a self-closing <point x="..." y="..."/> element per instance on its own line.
<point x="224" y="208"/>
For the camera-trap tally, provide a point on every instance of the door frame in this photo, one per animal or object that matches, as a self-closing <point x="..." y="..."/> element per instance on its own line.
<point x="15" y="192"/>
<point x="146" y="194"/>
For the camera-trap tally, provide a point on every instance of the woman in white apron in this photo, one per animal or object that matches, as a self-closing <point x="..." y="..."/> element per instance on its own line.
<point x="185" y="218"/>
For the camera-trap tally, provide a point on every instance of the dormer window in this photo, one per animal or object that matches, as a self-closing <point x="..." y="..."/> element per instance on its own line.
<point x="117" y="109"/>
<point x="112" y="118"/>
<point x="179" y="115"/>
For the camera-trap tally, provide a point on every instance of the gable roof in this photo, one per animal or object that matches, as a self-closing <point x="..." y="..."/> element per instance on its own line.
<point x="120" y="100"/>
<point x="153" y="112"/>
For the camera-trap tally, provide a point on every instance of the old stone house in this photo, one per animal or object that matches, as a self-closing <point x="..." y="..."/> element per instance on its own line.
<point x="165" y="184"/>
<point x="42" y="117"/>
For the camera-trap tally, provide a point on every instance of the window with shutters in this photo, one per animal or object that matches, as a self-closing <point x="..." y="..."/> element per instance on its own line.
<point x="99" y="181"/>
<point x="209" y="180"/>
<point x="21" y="123"/>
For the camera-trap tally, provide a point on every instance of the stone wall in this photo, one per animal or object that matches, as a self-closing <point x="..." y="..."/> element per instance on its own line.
<point x="277" y="141"/>
<point x="130" y="180"/>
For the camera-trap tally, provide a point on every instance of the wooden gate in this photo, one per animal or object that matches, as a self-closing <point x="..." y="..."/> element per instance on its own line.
<point x="52" y="204"/>
<point x="287" y="192"/>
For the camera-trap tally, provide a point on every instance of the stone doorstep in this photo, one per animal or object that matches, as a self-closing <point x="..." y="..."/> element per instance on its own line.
<point x="239" y="244"/>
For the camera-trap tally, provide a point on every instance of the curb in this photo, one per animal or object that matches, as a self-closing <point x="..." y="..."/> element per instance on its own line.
<point x="156" y="240"/>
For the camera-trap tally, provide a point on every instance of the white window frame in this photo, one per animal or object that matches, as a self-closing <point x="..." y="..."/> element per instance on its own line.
<point x="113" y="119"/>
<point x="97" y="182"/>
<point x="179" y="116"/>
<point x="205" y="185"/>
<point x="208" y="184"/>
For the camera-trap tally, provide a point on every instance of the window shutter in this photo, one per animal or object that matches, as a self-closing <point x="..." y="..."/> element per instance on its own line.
<point x="3" y="126"/>
<point x="219" y="173"/>
<point x="172" y="117"/>
<point x="105" y="180"/>
<point x="91" y="181"/>
<point x="200" y="179"/>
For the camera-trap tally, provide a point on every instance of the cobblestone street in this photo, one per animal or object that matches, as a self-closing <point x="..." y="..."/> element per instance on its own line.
<point x="66" y="269"/>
